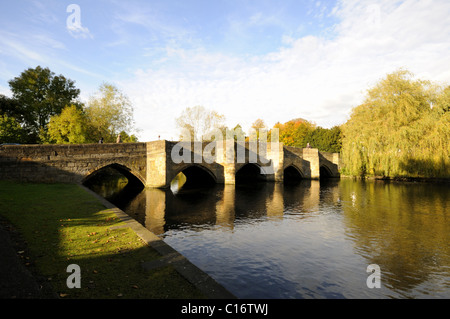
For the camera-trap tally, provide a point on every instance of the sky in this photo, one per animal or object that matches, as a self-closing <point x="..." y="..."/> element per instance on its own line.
<point x="246" y="59"/>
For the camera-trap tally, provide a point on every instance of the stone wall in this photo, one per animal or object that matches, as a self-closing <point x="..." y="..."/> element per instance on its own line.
<point x="69" y="163"/>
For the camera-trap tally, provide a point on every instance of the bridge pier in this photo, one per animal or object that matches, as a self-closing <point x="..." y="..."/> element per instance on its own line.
<point x="311" y="155"/>
<point x="275" y="153"/>
<point x="157" y="159"/>
<point x="226" y="156"/>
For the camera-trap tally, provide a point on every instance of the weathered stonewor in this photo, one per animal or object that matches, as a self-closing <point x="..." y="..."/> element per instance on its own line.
<point x="70" y="163"/>
<point x="156" y="163"/>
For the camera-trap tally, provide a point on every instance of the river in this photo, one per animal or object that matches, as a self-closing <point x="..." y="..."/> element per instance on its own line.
<point x="313" y="239"/>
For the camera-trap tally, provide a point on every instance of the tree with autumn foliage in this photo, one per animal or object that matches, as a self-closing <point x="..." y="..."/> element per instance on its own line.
<point x="294" y="132"/>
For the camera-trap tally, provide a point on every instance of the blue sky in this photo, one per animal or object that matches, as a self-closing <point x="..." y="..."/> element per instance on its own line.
<point x="274" y="60"/>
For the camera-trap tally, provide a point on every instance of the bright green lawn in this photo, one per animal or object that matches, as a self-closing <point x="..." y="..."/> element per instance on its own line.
<point x="63" y="224"/>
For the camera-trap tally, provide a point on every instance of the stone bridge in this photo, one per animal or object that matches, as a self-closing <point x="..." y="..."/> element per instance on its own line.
<point x="155" y="164"/>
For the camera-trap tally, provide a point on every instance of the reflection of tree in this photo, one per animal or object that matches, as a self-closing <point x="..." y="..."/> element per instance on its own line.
<point x="401" y="227"/>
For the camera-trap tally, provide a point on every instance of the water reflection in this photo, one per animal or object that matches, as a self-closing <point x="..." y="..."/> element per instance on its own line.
<point x="404" y="228"/>
<point x="223" y="205"/>
<point x="313" y="239"/>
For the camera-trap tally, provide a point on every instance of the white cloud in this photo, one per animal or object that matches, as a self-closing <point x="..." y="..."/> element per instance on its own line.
<point x="79" y="32"/>
<point x="319" y="79"/>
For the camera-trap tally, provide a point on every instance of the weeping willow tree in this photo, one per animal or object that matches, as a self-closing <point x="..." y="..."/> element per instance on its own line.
<point x="401" y="130"/>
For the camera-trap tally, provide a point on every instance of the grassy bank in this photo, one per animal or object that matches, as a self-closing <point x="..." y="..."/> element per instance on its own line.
<point x="63" y="224"/>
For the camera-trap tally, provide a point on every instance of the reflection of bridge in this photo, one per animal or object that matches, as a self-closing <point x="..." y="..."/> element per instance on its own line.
<point x="153" y="163"/>
<point x="158" y="210"/>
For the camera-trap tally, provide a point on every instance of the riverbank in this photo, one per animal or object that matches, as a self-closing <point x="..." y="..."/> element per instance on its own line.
<point x="59" y="225"/>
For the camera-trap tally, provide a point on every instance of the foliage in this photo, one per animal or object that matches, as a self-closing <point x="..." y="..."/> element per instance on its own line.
<point x="128" y="138"/>
<point x="44" y="108"/>
<point x="11" y="108"/>
<point x="106" y="117"/>
<point x="10" y="130"/>
<point x="326" y="140"/>
<point x="40" y="95"/>
<point x="109" y="113"/>
<point x="199" y="122"/>
<point x="70" y="127"/>
<point x="401" y="129"/>
<point x="294" y="132"/>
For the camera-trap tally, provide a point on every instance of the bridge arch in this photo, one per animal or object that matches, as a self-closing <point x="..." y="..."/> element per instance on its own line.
<point x="132" y="176"/>
<point x="325" y="172"/>
<point x="196" y="175"/>
<point x="249" y="172"/>
<point x="292" y="174"/>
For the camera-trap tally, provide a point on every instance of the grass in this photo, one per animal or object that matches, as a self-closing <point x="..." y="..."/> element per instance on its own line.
<point x="63" y="224"/>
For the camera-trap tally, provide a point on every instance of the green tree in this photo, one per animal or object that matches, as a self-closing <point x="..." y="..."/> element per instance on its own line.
<point x="326" y="140"/>
<point x="128" y="138"/>
<point x="109" y="112"/>
<point x="107" y="115"/>
<point x="11" y="108"/>
<point x="10" y="130"/>
<point x="12" y="122"/>
<point x="41" y="94"/>
<point x="442" y="105"/>
<point x="401" y="129"/>
<point x="70" y="127"/>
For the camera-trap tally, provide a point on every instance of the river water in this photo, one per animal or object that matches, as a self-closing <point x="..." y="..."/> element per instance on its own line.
<point x="313" y="239"/>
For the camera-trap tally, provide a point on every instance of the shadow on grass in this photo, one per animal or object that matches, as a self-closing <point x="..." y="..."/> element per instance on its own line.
<point x="63" y="224"/>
